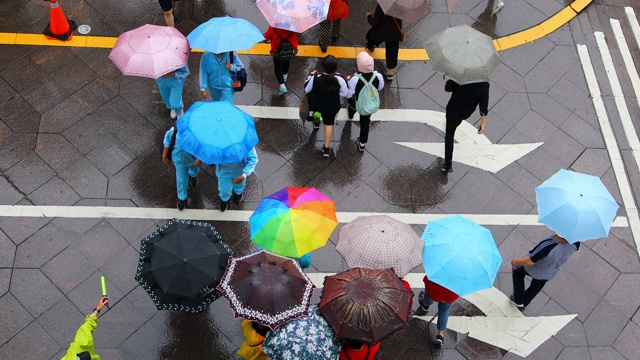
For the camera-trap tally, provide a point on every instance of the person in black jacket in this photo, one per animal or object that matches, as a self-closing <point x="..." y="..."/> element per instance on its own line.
<point x="385" y="29"/>
<point x="463" y="102"/>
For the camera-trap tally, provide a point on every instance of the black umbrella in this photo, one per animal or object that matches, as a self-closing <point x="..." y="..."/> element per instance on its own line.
<point x="181" y="264"/>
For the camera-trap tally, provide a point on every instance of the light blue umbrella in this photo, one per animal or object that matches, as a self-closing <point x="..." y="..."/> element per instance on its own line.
<point x="576" y="206"/>
<point x="222" y="34"/>
<point x="460" y="255"/>
<point x="216" y="132"/>
<point x="306" y="338"/>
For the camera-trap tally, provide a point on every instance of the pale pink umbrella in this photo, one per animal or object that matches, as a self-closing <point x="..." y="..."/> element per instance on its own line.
<point x="294" y="15"/>
<point x="150" y="51"/>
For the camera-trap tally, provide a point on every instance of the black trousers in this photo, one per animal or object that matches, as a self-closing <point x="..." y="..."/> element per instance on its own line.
<point x="281" y="68"/>
<point x="365" y="120"/>
<point x="452" y="125"/>
<point x="520" y="295"/>
<point x="391" y="52"/>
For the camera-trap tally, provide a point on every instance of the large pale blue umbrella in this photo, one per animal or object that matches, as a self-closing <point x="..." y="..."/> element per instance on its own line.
<point x="216" y="132"/>
<point x="576" y="206"/>
<point x="460" y="255"/>
<point x="222" y="34"/>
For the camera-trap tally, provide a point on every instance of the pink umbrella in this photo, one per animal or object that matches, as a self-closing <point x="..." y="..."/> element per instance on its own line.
<point x="294" y="15"/>
<point x="150" y="51"/>
<point x="409" y="10"/>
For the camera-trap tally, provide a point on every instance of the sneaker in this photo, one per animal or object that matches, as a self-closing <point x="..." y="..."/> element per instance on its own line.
<point x="371" y="48"/>
<point x="323" y="47"/>
<point x="360" y="146"/>
<point x="389" y="76"/>
<point x="193" y="180"/>
<point x="520" y="307"/>
<point x="497" y="8"/>
<point x="182" y="204"/>
<point x="282" y="91"/>
<point x="325" y="151"/>
<point x="335" y="38"/>
<point x="284" y="77"/>
<point x="421" y="297"/>
<point x="180" y="114"/>
<point x="351" y="112"/>
<point x="224" y="205"/>
<point x="446" y="168"/>
<point x="236" y="198"/>
<point x="439" y="340"/>
<point x="173" y="114"/>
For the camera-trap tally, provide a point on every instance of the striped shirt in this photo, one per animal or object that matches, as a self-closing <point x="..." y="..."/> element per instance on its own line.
<point x="549" y="256"/>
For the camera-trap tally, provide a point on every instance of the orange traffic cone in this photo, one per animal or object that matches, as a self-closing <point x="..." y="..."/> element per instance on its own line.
<point x="59" y="27"/>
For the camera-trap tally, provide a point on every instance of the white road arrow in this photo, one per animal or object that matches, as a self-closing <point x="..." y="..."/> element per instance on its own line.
<point x="472" y="149"/>
<point x="503" y="326"/>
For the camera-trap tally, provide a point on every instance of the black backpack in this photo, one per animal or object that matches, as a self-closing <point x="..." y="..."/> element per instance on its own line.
<point x="172" y="144"/>
<point x="240" y="75"/>
<point x="285" y="50"/>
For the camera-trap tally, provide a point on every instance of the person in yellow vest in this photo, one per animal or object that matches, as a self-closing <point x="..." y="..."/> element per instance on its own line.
<point x="82" y="347"/>
<point x="254" y="334"/>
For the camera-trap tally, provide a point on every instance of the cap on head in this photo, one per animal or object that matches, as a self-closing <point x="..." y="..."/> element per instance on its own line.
<point x="365" y="62"/>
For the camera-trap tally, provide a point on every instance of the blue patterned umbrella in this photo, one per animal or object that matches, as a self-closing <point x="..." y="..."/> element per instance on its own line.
<point x="307" y="338"/>
<point x="222" y="34"/>
<point x="216" y="132"/>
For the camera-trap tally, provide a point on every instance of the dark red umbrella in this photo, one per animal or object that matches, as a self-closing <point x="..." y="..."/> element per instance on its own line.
<point x="365" y="304"/>
<point x="267" y="288"/>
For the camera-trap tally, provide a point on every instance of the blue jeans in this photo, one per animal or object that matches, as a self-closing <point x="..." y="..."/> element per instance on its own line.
<point x="222" y="95"/>
<point x="225" y="186"/>
<point x="183" y="161"/>
<point x="443" y="312"/>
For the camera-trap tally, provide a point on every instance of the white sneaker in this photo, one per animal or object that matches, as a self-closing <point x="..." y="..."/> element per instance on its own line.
<point x="497" y="8"/>
<point x="173" y="114"/>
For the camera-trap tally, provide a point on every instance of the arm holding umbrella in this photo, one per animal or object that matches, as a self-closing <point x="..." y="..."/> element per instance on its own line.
<point x="484" y="110"/>
<point x="204" y="82"/>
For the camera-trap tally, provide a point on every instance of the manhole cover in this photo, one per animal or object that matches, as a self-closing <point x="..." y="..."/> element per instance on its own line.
<point x="84" y="29"/>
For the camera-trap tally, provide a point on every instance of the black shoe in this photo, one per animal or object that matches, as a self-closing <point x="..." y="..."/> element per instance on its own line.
<point x="224" y="205"/>
<point x="323" y="47"/>
<point x="335" y="38"/>
<point x="371" y="48"/>
<point x="175" y="19"/>
<point x="193" y="181"/>
<point x="316" y="124"/>
<point x="350" y="112"/>
<point x="439" y="340"/>
<point x="360" y="146"/>
<point x="236" y="198"/>
<point x="182" y="204"/>
<point x="520" y="307"/>
<point x="446" y="168"/>
<point x="325" y="151"/>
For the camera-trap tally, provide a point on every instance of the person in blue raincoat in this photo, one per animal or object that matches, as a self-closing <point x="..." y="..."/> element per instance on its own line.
<point x="82" y="347"/>
<point x="232" y="178"/>
<point x="216" y="75"/>
<point x="186" y="167"/>
<point x="171" y="86"/>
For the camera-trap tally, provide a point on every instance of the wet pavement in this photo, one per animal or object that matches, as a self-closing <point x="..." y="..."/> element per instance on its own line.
<point x="75" y="132"/>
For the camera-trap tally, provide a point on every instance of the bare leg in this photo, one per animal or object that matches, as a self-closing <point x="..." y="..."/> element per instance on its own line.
<point x="168" y="18"/>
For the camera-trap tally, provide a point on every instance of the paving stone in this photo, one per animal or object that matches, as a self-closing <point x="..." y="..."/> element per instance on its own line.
<point x="618" y="254"/>
<point x="471" y="348"/>
<point x="54" y="192"/>
<point x="32" y="342"/>
<point x="82" y="75"/>
<point x="68" y="269"/>
<point x="145" y="341"/>
<point x="111" y="156"/>
<point x="88" y="134"/>
<point x="525" y="57"/>
<point x="29" y="174"/>
<point x="624" y="295"/>
<point x="604" y="324"/>
<point x="14" y="147"/>
<point x="335" y="181"/>
<point x="507" y="201"/>
<point x="515" y="245"/>
<point x="114" y="269"/>
<point x="41" y="247"/>
<point x="541" y="164"/>
<point x="14" y="317"/>
<point x="5" y="280"/>
<point x="7" y="251"/>
<point x="51" y="58"/>
<point x="584" y="263"/>
<point x="605" y="353"/>
<point x="573" y="334"/>
<point x="19" y="229"/>
<point x="593" y="162"/>
<point x="85" y="179"/>
<point x="61" y="322"/>
<point x="572" y="294"/>
<point x="577" y="353"/>
<point x="100" y="244"/>
<point x="535" y="127"/>
<point x="628" y="343"/>
<point x="18" y="114"/>
<point x="63" y="115"/>
<point x="33" y="290"/>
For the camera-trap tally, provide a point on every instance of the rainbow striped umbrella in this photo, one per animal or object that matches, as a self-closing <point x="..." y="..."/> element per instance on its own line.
<point x="294" y="221"/>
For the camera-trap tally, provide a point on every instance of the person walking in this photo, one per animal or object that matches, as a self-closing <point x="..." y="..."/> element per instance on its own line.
<point x="542" y="263"/>
<point x="463" y="102"/>
<point x="232" y="178"/>
<point x="170" y="86"/>
<point x="167" y="7"/>
<point x="254" y="334"/>
<point x="444" y="297"/>
<point x="216" y="75"/>
<point x="326" y="89"/>
<point x="187" y="169"/>
<point x="281" y="63"/>
<point x="385" y="29"/>
<point x="499" y="4"/>
<point x="82" y="347"/>
<point x="330" y="28"/>
<point x="357" y="350"/>
<point x="357" y="82"/>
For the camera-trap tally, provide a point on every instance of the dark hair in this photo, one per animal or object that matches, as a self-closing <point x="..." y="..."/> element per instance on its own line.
<point x="330" y="66"/>
<point x="260" y="329"/>
<point x="355" y="344"/>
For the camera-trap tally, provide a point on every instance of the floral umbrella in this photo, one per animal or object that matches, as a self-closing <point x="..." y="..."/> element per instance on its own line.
<point x="294" y="15"/>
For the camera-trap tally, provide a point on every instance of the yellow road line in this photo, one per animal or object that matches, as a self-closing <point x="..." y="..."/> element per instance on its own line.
<point x="346" y="52"/>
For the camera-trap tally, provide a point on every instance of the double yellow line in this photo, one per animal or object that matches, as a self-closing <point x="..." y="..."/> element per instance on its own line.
<point x="506" y="42"/>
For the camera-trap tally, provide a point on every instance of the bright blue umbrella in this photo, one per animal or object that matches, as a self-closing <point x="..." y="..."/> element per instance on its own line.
<point x="576" y="206"/>
<point x="216" y="132"/>
<point x="222" y="34"/>
<point x="460" y="255"/>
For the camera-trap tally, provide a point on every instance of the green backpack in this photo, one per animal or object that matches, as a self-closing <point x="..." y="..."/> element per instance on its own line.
<point x="368" y="101"/>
